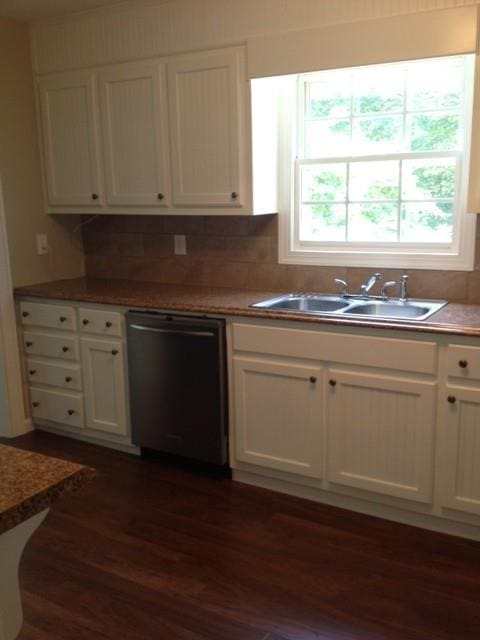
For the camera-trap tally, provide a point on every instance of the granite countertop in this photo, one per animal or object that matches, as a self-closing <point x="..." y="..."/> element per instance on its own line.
<point x="31" y="482"/>
<point x="459" y="319"/>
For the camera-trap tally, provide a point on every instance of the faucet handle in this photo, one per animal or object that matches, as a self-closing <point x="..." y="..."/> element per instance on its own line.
<point x="343" y="284"/>
<point x="387" y="285"/>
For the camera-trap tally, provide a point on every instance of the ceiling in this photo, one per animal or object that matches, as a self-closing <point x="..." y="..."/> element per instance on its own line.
<point x="27" y="10"/>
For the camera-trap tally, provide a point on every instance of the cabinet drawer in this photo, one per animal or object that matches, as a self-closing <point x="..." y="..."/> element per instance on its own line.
<point x="51" y="345"/>
<point x="369" y="351"/>
<point x="463" y="362"/>
<point x="55" y="375"/>
<point x="65" y="408"/>
<point x="105" y="323"/>
<point x="50" y="316"/>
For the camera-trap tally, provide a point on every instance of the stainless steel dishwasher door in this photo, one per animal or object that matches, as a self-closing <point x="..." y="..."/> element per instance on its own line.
<point x="177" y="378"/>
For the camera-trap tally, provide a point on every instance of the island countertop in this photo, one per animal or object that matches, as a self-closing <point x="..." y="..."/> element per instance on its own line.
<point x="456" y="319"/>
<point x="31" y="482"/>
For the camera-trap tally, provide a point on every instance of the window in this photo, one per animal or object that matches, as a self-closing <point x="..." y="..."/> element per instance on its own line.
<point x="381" y="166"/>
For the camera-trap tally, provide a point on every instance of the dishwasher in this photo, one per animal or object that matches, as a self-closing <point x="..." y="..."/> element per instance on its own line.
<point x="178" y="386"/>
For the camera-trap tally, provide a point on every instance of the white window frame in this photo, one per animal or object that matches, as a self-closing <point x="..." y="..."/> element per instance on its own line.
<point x="459" y="255"/>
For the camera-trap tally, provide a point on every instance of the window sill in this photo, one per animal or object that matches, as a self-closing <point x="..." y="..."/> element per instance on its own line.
<point x="443" y="262"/>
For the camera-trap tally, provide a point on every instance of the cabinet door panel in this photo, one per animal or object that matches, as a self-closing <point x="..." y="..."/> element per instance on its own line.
<point x="49" y="345"/>
<point x="278" y="418"/>
<point x="50" y="316"/>
<point x="205" y="99"/>
<point x="64" y="408"/>
<point x="460" y="446"/>
<point x="56" y="375"/>
<point x="70" y="139"/>
<point x="134" y="134"/>
<point x="380" y="434"/>
<point x="104" y="384"/>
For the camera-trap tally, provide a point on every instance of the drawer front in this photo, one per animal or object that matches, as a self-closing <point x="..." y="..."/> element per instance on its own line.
<point x="55" y="375"/>
<point x="463" y="362"/>
<point x="64" y="408"/>
<point x="51" y="345"/>
<point x="369" y="351"/>
<point x="98" y="322"/>
<point x="50" y="316"/>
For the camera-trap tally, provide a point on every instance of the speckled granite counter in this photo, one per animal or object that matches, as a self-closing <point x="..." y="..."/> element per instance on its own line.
<point x="459" y="319"/>
<point x="30" y="483"/>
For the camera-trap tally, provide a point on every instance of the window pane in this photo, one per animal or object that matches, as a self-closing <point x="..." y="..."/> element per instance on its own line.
<point x="436" y="84"/>
<point x="380" y="90"/>
<point x="427" y="222"/>
<point x="433" y="131"/>
<point x="323" y="222"/>
<point x="327" y="138"/>
<point x="373" y="222"/>
<point x="428" y="179"/>
<point x="329" y="97"/>
<point x="374" y="180"/>
<point x="324" y="182"/>
<point x="377" y="135"/>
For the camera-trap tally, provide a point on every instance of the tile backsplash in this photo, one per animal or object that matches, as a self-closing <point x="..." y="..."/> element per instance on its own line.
<point x="238" y="252"/>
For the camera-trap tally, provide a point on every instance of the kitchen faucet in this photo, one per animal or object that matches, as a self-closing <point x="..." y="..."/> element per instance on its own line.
<point x="367" y="286"/>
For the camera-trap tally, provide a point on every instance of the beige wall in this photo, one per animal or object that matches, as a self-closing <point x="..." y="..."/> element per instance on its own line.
<point x="20" y="172"/>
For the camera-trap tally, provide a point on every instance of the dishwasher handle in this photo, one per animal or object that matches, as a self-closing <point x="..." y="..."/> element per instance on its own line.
<point x="188" y="332"/>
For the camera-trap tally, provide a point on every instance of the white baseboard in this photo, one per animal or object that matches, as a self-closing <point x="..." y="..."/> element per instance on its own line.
<point x="424" y="521"/>
<point x="117" y="446"/>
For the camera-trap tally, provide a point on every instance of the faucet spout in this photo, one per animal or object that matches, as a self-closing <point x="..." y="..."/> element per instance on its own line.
<point x="365" y="288"/>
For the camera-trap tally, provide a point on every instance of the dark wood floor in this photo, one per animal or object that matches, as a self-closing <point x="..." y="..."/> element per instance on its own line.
<point x="152" y="552"/>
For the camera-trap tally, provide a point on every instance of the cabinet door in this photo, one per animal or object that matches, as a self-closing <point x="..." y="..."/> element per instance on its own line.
<point x="205" y="107"/>
<point x="70" y="139"/>
<point x="134" y="134"/>
<point x="380" y="434"/>
<point x="104" y="383"/>
<point x="278" y="415"/>
<point x="460" y="449"/>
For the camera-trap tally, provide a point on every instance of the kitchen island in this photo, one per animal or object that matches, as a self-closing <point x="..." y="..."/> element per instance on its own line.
<point x="29" y="484"/>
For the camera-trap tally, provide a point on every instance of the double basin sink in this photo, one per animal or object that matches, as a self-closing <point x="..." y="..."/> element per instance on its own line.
<point x="365" y="307"/>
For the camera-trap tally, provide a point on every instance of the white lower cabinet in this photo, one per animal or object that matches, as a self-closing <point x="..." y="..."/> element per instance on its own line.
<point x="381" y="433"/>
<point x="460" y="450"/>
<point x="104" y="379"/>
<point x="77" y="376"/>
<point x="278" y="415"/>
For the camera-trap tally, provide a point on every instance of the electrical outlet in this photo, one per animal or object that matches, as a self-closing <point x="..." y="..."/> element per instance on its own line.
<point x="180" y="245"/>
<point x="42" y="244"/>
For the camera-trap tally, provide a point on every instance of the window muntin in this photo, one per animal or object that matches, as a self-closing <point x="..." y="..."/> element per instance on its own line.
<point x="380" y="153"/>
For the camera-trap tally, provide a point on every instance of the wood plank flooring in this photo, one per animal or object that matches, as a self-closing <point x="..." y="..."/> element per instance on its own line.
<point x="152" y="552"/>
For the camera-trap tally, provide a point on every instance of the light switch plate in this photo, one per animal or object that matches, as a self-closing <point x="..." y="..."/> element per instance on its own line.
<point x="42" y="244"/>
<point x="180" y="245"/>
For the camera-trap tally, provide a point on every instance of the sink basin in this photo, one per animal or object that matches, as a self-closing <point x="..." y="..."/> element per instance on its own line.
<point x="307" y="304"/>
<point x="390" y="310"/>
<point x="352" y="306"/>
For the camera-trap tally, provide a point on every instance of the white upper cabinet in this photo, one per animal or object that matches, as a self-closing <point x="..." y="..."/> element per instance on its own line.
<point x="205" y="92"/>
<point x="166" y="136"/>
<point x="134" y="125"/>
<point x="70" y="139"/>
